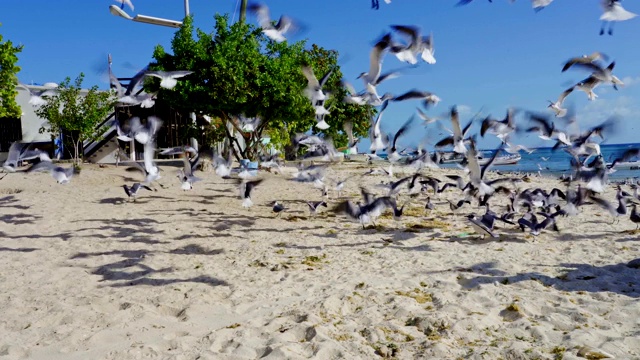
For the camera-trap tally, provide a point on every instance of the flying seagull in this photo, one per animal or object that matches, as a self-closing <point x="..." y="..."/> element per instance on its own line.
<point x="392" y="152"/>
<point x="428" y="98"/>
<point x="168" y="78"/>
<point x="613" y="11"/>
<point x="132" y="191"/>
<point x="62" y="175"/>
<point x="557" y="105"/>
<point x="36" y="98"/>
<point x="144" y="133"/>
<point x="277" y="32"/>
<point x="366" y="213"/>
<point x="584" y="59"/>
<point x="457" y="138"/>
<point x="223" y="166"/>
<point x="601" y="73"/>
<point x="315" y="205"/>
<point x="314" y="87"/>
<point x="246" y="187"/>
<point x="375" y="61"/>
<point x="125" y="2"/>
<point x="21" y="152"/>
<point x="186" y="173"/>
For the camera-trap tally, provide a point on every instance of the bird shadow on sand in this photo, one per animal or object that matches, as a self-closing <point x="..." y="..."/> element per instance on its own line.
<point x="62" y="236"/>
<point x="18" y="249"/>
<point x="9" y="202"/>
<point x="19" y="219"/>
<point x="617" y="278"/>
<point x="475" y="239"/>
<point x="195" y="249"/>
<point x="132" y="271"/>
<point x="129" y="179"/>
<point x="113" y="201"/>
<point x="124" y="222"/>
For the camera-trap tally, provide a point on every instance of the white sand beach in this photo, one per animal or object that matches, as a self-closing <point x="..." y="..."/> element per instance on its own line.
<point x="85" y="274"/>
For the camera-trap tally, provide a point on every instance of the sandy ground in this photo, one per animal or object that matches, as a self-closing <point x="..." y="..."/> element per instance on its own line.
<point x="85" y="274"/>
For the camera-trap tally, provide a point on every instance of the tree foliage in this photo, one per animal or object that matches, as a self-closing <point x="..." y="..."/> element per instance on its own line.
<point x="76" y="113"/>
<point x="237" y="70"/>
<point x="8" y="79"/>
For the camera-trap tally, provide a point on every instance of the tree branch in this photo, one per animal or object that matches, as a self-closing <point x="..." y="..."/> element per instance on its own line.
<point x="231" y="138"/>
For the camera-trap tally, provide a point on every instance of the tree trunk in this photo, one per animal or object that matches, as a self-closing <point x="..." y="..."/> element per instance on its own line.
<point x="231" y="139"/>
<point x="79" y="157"/>
<point x="243" y="11"/>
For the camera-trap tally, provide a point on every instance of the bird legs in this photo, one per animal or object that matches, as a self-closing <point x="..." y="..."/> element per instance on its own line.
<point x="604" y="24"/>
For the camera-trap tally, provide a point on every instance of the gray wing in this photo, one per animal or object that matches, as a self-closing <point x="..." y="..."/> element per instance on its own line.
<point x="42" y="166"/>
<point x="307" y="71"/>
<point x="375" y="57"/>
<point x="262" y="12"/>
<point x="14" y="154"/>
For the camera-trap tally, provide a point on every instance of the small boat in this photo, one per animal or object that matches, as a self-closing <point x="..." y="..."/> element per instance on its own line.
<point x="455" y="158"/>
<point x="501" y="160"/>
<point x="626" y="165"/>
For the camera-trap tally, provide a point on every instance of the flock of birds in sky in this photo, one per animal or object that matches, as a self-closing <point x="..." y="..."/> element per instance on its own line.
<point x="612" y="11"/>
<point x="532" y="209"/>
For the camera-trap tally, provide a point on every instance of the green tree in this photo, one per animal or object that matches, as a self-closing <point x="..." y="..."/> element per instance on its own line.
<point x="237" y="70"/>
<point x="77" y="113"/>
<point x="8" y="79"/>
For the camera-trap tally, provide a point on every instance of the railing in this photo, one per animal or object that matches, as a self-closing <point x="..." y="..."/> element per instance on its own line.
<point x="90" y="146"/>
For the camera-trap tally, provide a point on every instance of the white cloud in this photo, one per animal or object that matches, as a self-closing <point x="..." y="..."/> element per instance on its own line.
<point x="464" y="110"/>
<point x="623" y="107"/>
<point x="630" y="80"/>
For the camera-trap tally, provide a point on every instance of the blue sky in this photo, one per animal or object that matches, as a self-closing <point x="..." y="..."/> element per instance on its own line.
<point x="489" y="55"/>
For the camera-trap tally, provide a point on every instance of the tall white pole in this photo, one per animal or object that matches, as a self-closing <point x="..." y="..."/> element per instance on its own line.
<point x="186" y="8"/>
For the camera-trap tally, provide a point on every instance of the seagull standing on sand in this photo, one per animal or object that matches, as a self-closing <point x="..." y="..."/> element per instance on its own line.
<point x="278" y="208"/>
